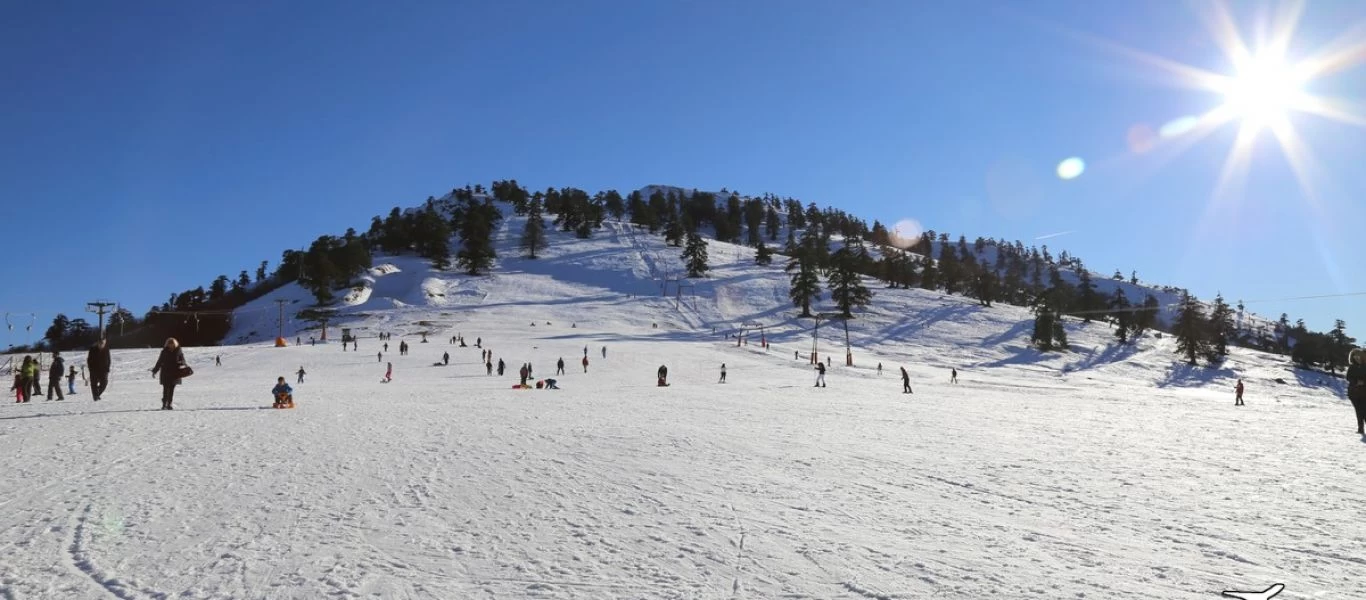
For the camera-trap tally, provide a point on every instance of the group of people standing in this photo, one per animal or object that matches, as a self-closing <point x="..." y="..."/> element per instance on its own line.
<point x="28" y="376"/>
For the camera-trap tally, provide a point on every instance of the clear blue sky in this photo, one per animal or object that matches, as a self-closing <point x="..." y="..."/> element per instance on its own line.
<point x="148" y="147"/>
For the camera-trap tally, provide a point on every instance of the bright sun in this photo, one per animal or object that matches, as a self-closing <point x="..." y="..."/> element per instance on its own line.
<point x="1264" y="90"/>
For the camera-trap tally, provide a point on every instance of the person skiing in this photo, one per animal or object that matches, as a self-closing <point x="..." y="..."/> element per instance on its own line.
<point x="171" y="364"/>
<point x="559" y="366"/>
<point x="97" y="360"/>
<point x="905" y="382"/>
<point x="585" y="362"/>
<point x="301" y="374"/>
<point x="71" y="381"/>
<point x="445" y="358"/>
<point x="389" y="373"/>
<point x="54" y="375"/>
<point x="663" y="374"/>
<point x="1238" y="394"/>
<point x="953" y="375"/>
<point x="820" y="374"/>
<point x="283" y="394"/>
<point x="1356" y="385"/>
<point x="723" y="373"/>
<point x="500" y="367"/>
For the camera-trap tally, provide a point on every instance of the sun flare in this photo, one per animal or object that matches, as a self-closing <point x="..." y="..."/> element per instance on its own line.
<point x="1264" y="90"/>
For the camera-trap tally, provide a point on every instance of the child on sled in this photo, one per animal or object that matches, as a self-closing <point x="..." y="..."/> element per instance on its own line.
<point x="284" y="395"/>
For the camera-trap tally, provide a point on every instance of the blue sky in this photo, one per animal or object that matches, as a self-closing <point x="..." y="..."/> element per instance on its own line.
<point x="149" y="147"/>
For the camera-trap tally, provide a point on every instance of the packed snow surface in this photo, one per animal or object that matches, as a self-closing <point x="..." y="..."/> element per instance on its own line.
<point x="1105" y="472"/>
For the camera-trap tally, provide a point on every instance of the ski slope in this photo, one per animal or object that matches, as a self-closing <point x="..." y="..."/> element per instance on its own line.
<point x="1104" y="472"/>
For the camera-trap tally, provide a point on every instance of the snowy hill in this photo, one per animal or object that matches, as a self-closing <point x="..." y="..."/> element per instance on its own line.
<point x="1105" y="472"/>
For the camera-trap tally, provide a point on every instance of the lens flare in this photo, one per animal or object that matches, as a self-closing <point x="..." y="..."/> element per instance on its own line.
<point x="1177" y="127"/>
<point x="906" y="232"/>
<point x="1071" y="168"/>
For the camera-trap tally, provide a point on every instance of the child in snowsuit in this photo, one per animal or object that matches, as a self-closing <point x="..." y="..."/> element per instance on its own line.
<point x="283" y="394"/>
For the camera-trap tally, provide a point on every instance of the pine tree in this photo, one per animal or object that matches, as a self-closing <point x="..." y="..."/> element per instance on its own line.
<point x="478" y="222"/>
<point x="695" y="256"/>
<point x="533" y="233"/>
<point x="261" y="271"/>
<point x="846" y="286"/>
<point x="1220" y="326"/>
<point x="763" y="255"/>
<point x="1339" y="344"/>
<point x="806" y="281"/>
<point x="1123" y="315"/>
<point x="219" y="287"/>
<point x="674" y="231"/>
<point x="57" y="332"/>
<point x="1146" y="317"/>
<point x="1088" y="300"/>
<point x="1190" y="330"/>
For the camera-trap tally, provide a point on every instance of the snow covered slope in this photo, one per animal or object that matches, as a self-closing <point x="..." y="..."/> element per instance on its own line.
<point x="1104" y="472"/>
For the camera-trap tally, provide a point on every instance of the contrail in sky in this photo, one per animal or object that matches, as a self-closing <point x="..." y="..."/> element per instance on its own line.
<point x="1053" y="235"/>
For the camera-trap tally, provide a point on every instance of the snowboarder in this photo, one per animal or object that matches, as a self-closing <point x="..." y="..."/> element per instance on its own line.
<point x="585" y="362"/>
<point x="98" y="361"/>
<point x="1356" y="385"/>
<point x="723" y="373"/>
<point x="953" y="375"/>
<point x="1238" y="394"/>
<point x="663" y="374"/>
<point x="71" y="381"/>
<point x="301" y="374"/>
<point x="171" y="365"/>
<point x="905" y="382"/>
<point x="820" y="374"/>
<point x="500" y="367"/>
<point x="559" y="366"/>
<point x="389" y="373"/>
<point x="54" y="375"/>
<point x="445" y="358"/>
<point x="283" y="394"/>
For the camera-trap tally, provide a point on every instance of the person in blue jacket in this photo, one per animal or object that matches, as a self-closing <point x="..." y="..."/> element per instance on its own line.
<point x="284" y="395"/>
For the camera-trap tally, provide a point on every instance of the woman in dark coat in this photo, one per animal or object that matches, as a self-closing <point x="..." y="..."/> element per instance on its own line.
<point x="169" y="364"/>
<point x="1356" y="385"/>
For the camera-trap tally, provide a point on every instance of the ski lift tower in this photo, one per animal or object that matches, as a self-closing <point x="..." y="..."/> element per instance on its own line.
<point x="100" y="307"/>
<point x="815" y="335"/>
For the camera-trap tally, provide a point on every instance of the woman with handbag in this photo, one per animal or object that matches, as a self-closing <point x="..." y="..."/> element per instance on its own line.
<point x="171" y="365"/>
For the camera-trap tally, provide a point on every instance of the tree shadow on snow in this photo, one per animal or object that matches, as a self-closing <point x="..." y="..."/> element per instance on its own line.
<point x="1186" y="375"/>
<point x="1112" y="353"/>
<point x="1318" y="380"/>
